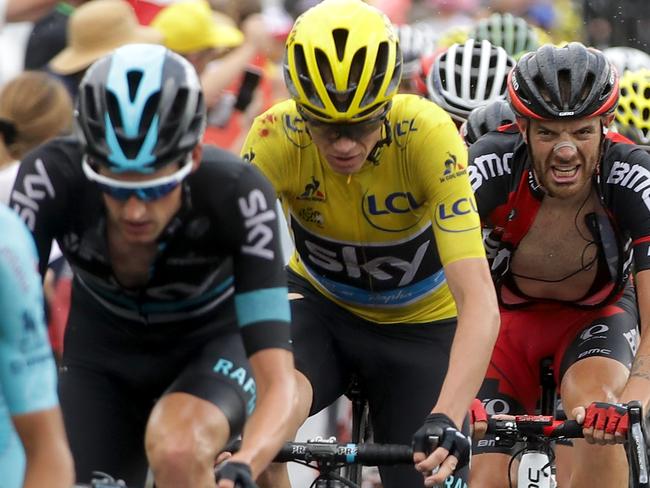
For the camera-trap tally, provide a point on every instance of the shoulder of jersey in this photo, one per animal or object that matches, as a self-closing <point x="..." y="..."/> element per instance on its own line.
<point x="409" y="106"/>
<point x="495" y="142"/>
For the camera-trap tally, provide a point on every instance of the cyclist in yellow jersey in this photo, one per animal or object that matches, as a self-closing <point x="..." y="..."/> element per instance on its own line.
<point x="389" y="268"/>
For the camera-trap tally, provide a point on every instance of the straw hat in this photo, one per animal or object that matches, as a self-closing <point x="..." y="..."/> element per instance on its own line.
<point x="97" y="28"/>
<point x="191" y="25"/>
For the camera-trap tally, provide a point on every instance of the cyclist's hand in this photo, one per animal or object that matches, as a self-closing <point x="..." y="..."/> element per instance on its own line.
<point x="478" y="419"/>
<point x="450" y="449"/>
<point x="603" y="423"/>
<point x="233" y="474"/>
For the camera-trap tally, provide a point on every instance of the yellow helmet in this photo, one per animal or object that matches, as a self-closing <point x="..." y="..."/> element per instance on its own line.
<point x="342" y="61"/>
<point x="633" y="111"/>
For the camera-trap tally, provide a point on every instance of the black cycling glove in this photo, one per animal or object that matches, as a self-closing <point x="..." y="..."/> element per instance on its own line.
<point x="440" y="431"/>
<point x="240" y="473"/>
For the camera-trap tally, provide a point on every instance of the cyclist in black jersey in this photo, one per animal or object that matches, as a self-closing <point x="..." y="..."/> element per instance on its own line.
<point x="568" y="206"/>
<point x="178" y="281"/>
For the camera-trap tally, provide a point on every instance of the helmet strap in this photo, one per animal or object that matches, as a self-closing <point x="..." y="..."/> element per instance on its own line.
<point x="375" y="153"/>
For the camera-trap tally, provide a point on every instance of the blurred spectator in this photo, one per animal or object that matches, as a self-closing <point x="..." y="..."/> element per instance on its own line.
<point x="23" y="10"/>
<point x="34" y="107"/>
<point x="190" y="29"/>
<point x="95" y="29"/>
<point x="620" y="23"/>
<point x="237" y="10"/>
<point x="48" y="35"/>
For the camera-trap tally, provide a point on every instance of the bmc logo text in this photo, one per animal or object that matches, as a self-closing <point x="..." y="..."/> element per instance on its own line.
<point x="397" y="202"/>
<point x="35" y="187"/>
<point x="634" y="177"/>
<point x="488" y="166"/>
<point x="254" y="209"/>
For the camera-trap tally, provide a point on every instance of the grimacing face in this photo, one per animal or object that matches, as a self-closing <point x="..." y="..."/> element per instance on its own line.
<point x="565" y="153"/>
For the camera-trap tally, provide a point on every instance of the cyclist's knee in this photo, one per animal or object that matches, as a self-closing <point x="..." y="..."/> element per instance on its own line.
<point x="591" y="380"/>
<point x="304" y="397"/>
<point x="490" y="470"/>
<point x="184" y="434"/>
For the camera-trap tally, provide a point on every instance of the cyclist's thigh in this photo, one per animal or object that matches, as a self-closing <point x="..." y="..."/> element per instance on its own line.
<point x="490" y="470"/>
<point x="315" y="346"/>
<point x="402" y="369"/>
<point x="611" y="332"/>
<point x="511" y="384"/>
<point x="104" y="424"/>
<point x="104" y="415"/>
<point x="221" y="374"/>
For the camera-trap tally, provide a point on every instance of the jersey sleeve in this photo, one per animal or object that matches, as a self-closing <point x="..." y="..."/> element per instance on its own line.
<point x="27" y="368"/>
<point x="489" y="173"/>
<point x="266" y="144"/>
<point x="441" y="167"/>
<point x="629" y="182"/>
<point x="261" y="295"/>
<point x="40" y="194"/>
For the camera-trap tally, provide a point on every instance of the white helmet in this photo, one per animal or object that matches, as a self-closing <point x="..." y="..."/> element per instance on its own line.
<point x="466" y="76"/>
<point x="627" y="59"/>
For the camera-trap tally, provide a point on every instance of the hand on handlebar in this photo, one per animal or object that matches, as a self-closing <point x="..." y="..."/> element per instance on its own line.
<point x="603" y="423"/>
<point x="233" y="474"/>
<point x="477" y="419"/>
<point x="439" y="448"/>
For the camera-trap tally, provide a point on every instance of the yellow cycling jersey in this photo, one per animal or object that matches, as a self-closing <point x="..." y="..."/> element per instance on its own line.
<point x="375" y="242"/>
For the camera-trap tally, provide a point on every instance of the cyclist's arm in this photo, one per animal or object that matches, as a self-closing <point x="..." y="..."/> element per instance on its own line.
<point x="456" y="225"/>
<point x="266" y="429"/>
<point x="46" y="178"/>
<point x="27" y="370"/>
<point x="48" y="459"/>
<point x="478" y="324"/>
<point x="638" y="385"/>
<point x="263" y="314"/>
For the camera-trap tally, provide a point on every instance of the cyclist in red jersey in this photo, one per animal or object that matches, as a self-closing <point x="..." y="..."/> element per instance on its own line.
<point x="569" y="212"/>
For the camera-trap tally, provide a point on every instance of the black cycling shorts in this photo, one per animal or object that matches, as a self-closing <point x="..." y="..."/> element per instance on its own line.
<point x="401" y="368"/>
<point x="113" y="371"/>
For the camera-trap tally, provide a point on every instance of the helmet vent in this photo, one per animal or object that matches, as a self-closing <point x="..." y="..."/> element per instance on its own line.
<point x="304" y="76"/>
<point x="133" y="79"/>
<point x="340" y="40"/>
<point x="113" y="108"/>
<point x="378" y="74"/>
<point x="91" y="108"/>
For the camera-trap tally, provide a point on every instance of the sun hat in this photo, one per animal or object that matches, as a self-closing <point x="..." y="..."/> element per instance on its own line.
<point x="97" y="28"/>
<point x="191" y="25"/>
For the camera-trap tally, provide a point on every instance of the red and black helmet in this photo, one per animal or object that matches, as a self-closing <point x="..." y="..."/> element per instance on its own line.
<point x="569" y="82"/>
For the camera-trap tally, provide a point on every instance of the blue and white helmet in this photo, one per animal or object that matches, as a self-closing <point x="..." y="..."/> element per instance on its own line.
<point x="140" y="108"/>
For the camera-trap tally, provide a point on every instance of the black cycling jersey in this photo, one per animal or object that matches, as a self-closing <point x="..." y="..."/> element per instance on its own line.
<point x="508" y="198"/>
<point x="222" y="242"/>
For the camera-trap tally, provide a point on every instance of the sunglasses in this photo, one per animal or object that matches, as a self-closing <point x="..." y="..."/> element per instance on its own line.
<point x="351" y="130"/>
<point x="145" y="191"/>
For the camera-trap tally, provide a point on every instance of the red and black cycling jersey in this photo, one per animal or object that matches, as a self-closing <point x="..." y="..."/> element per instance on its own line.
<point x="223" y="242"/>
<point x="508" y="198"/>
